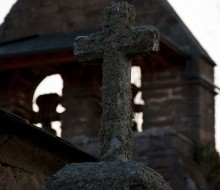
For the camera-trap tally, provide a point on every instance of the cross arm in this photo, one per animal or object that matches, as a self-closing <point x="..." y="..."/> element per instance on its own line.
<point x="141" y="41"/>
<point x="88" y="48"/>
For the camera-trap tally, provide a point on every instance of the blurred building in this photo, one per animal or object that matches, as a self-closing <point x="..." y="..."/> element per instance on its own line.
<point x="36" y="41"/>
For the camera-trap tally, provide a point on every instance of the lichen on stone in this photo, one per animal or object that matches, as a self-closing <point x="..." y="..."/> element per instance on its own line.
<point x="106" y="176"/>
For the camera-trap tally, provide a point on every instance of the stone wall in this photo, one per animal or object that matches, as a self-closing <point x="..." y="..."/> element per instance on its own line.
<point x="160" y="149"/>
<point x="176" y="98"/>
<point x="176" y="95"/>
<point x="81" y="95"/>
<point x="17" y="90"/>
<point x="16" y="178"/>
<point x="82" y="101"/>
<point x="29" y="155"/>
<point x="23" y="166"/>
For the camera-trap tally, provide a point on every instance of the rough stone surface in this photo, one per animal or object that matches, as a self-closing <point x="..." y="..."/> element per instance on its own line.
<point x="173" y="101"/>
<point x="115" y="133"/>
<point x="16" y="178"/>
<point x="82" y="100"/>
<point x="117" y="41"/>
<point x="106" y="175"/>
<point x="174" y="94"/>
<point x="29" y="155"/>
<point x="168" y="152"/>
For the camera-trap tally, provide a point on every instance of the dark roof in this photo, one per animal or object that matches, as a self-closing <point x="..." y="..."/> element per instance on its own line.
<point x="56" y="43"/>
<point x="65" y="16"/>
<point x="41" y="44"/>
<point x="13" y="124"/>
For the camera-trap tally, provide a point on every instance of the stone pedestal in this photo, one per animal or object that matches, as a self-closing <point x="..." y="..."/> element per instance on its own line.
<point x="106" y="176"/>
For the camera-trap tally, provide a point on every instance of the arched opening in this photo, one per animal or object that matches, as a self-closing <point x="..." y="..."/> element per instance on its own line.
<point x="137" y="101"/>
<point x="47" y="96"/>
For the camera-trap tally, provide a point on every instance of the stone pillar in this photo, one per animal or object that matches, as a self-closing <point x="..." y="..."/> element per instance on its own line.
<point x="180" y="96"/>
<point x="166" y="100"/>
<point x="82" y="101"/>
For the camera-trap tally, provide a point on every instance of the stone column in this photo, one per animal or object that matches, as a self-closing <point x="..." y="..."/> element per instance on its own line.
<point x="82" y="101"/>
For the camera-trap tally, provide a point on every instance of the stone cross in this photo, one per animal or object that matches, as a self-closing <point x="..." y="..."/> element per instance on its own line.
<point x="117" y="43"/>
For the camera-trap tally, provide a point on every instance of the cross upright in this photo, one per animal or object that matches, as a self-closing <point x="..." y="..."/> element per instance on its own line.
<point x="117" y="43"/>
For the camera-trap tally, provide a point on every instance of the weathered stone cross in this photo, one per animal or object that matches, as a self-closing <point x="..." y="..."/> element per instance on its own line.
<point x="116" y="44"/>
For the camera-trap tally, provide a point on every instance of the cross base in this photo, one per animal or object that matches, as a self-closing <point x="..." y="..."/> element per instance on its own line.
<point x="106" y="176"/>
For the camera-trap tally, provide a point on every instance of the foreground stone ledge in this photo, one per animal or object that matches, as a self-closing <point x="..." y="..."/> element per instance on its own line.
<point x="106" y="176"/>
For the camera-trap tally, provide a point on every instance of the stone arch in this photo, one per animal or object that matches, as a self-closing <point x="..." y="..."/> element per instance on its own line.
<point x="47" y="98"/>
<point x="137" y="101"/>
